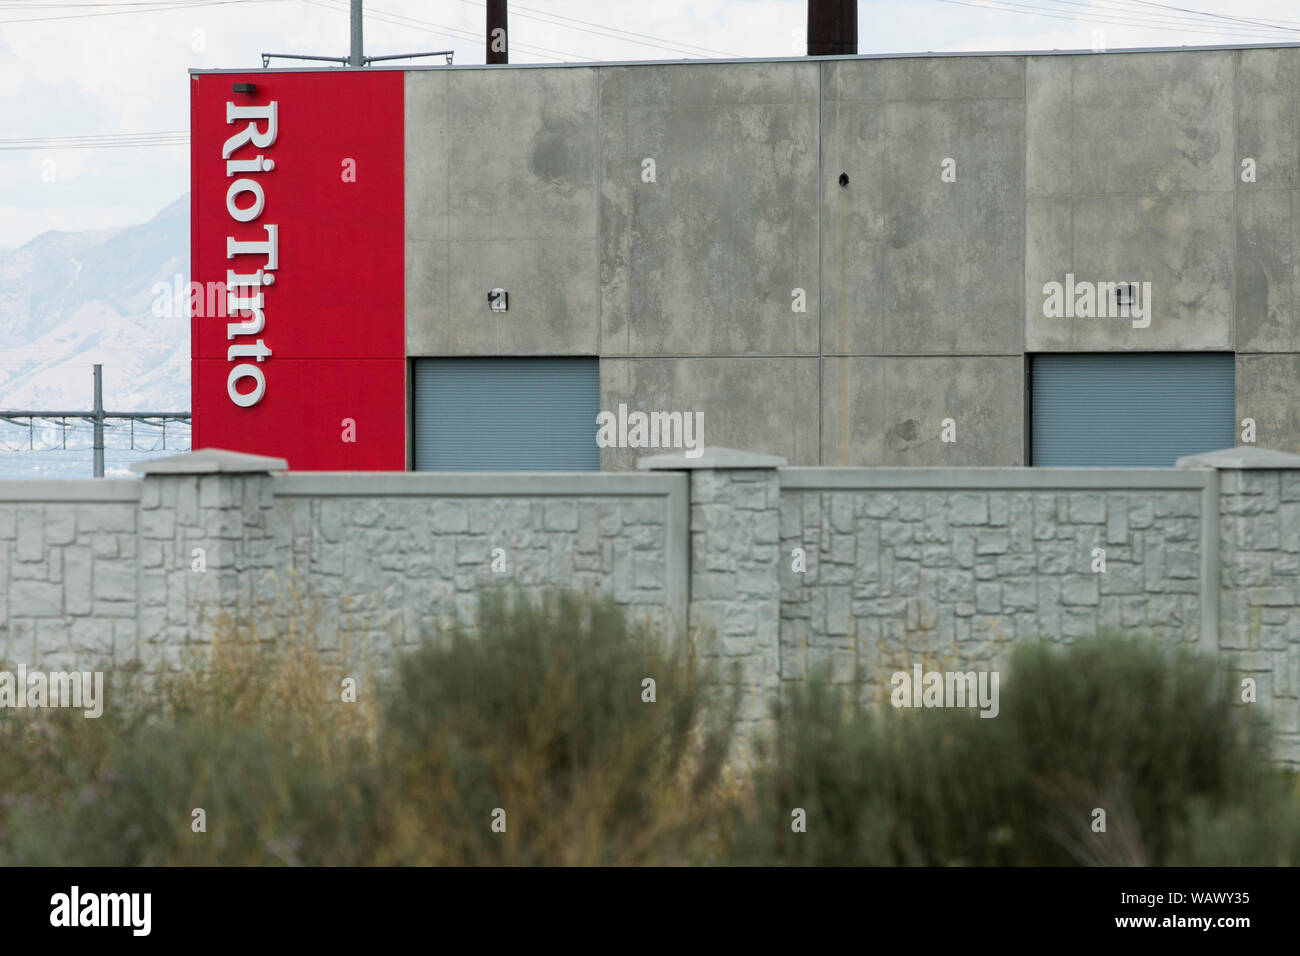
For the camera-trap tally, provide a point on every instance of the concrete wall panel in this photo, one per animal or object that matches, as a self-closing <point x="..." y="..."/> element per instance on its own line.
<point x="954" y="250"/>
<point x="501" y="192"/>
<point x="1268" y="87"/>
<point x="889" y="411"/>
<point x="1268" y="390"/>
<point x="704" y="259"/>
<point x="1265" y="272"/>
<point x="768" y="405"/>
<point x="853" y="251"/>
<point x="911" y="263"/>
<point x="1181" y="244"/>
<point x="1149" y="122"/>
<point x="1136" y="153"/>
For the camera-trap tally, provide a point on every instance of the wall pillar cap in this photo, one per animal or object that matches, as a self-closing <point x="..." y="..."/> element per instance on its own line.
<point x="1241" y="457"/>
<point x="711" y="457"/>
<point x="207" y="461"/>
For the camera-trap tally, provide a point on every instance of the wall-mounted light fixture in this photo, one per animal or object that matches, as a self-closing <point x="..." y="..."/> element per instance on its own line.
<point x="244" y="87"/>
<point x="499" y="300"/>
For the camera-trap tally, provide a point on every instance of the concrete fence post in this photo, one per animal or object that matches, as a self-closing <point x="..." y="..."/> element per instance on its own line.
<point x="205" y="546"/>
<point x="735" y="588"/>
<point x="1258" y="564"/>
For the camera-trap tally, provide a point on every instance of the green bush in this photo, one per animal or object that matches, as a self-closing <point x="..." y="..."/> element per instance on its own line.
<point x="1151" y="734"/>
<point x="1263" y="830"/>
<point x="263" y="805"/>
<point x="538" y="711"/>
<point x="250" y="733"/>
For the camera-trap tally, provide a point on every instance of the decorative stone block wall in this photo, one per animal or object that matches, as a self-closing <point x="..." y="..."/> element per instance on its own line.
<point x="396" y="558"/>
<point x="1259" y="580"/>
<point x="68" y="558"/>
<point x="859" y="572"/>
<point x="735" y="587"/>
<point x="896" y="570"/>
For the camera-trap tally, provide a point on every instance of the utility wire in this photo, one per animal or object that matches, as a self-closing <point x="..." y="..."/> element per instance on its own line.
<point x="1231" y="26"/>
<point x="160" y="6"/>
<point x="101" y="4"/>
<point x="597" y="29"/>
<point x="98" y="141"/>
<point x="1005" y="6"/>
<point x="1216" y="16"/>
<point x="398" y="19"/>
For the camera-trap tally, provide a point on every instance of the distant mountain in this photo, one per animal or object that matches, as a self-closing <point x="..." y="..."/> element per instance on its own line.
<point x="69" y="300"/>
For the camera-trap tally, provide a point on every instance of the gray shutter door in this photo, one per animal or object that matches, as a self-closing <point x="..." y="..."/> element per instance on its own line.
<point x="512" y="414"/>
<point x="1130" y="410"/>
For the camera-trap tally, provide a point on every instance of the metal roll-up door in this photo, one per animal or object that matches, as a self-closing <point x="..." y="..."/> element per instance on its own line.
<point x="506" y="414"/>
<point x="1130" y="410"/>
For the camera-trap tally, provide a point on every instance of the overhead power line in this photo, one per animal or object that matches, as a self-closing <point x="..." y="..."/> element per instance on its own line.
<point x="398" y="19"/>
<point x="97" y="417"/>
<point x="1154" y="13"/>
<point x="1217" y="16"/>
<point x="120" y="7"/>
<point x="1135" y="19"/>
<point x="101" y="4"/>
<point x="106" y="4"/>
<point x="98" y="141"/>
<point x="145" y="6"/>
<point x="613" y="33"/>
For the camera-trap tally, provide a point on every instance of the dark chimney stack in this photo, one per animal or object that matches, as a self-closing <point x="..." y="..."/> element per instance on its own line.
<point x="832" y="27"/>
<point x="498" y="46"/>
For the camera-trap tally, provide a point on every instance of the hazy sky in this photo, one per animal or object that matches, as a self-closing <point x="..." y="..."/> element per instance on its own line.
<point x="95" y="67"/>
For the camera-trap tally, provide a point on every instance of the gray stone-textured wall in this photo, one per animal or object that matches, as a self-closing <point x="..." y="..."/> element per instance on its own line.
<point x="1259" y="524"/>
<point x="402" y="568"/>
<point x="735" y="588"/>
<point x="67" y="572"/>
<point x="207" y="547"/>
<point x="892" y="572"/>
<point x="114" y="572"/>
<point x="856" y="571"/>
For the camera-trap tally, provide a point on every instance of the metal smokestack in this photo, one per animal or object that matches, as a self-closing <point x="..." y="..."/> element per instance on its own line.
<point x="498" y="50"/>
<point x="832" y="27"/>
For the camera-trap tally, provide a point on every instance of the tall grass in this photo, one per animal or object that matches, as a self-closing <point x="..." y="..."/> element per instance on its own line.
<point x="541" y="712"/>
<point x="251" y="732"/>
<point x="1151" y="735"/>
<point x="530" y="739"/>
<point x="538" y="712"/>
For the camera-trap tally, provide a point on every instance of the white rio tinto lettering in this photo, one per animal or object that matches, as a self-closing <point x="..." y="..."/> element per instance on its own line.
<point x="245" y="299"/>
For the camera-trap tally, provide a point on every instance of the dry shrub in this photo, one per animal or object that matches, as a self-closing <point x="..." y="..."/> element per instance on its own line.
<point x="539" y="712"/>
<point x="1149" y="733"/>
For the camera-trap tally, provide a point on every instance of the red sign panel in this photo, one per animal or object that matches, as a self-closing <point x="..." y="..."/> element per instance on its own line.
<point x="297" y="223"/>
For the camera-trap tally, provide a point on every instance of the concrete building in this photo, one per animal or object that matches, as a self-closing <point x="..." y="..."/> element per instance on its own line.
<point x="841" y="261"/>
